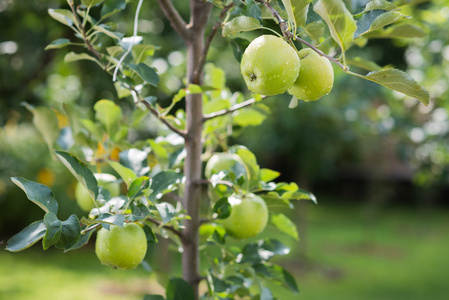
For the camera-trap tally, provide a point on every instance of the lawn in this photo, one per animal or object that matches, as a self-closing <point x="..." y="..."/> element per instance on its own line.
<point x="345" y="252"/>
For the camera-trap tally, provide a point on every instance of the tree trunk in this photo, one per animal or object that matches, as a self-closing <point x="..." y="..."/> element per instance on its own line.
<point x="200" y="11"/>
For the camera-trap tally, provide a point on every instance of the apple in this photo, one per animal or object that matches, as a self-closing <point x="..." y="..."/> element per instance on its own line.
<point x="106" y="181"/>
<point x="269" y="65"/>
<point x="248" y="218"/>
<point x="121" y="247"/>
<point x="316" y="76"/>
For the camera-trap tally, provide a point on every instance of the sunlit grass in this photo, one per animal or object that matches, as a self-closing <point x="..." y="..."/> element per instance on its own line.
<point x="346" y="253"/>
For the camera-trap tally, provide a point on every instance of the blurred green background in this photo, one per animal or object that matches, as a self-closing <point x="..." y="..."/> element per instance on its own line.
<point x="377" y="161"/>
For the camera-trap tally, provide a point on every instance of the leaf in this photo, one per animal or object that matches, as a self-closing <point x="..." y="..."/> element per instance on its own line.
<point x="145" y="72"/>
<point x="72" y="57"/>
<point x="80" y="171"/>
<point x="248" y="158"/>
<point x="248" y="117"/>
<point x="239" y="24"/>
<point x="27" y="237"/>
<point x="379" y="4"/>
<point x="339" y="20"/>
<point x="251" y="9"/>
<point x="290" y="281"/>
<point x="153" y="297"/>
<point x="137" y="186"/>
<point x="300" y="10"/>
<point x="164" y="182"/>
<point x="38" y="193"/>
<point x="136" y="160"/>
<point x="376" y="20"/>
<point x="58" y="43"/>
<point x="63" y="16"/>
<point x="266" y="294"/>
<point x="114" y="35"/>
<point x="90" y="3"/>
<point x="222" y="208"/>
<point x="46" y="122"/>
<point x="105" y="219"/>
<point x="399" y="81"/>
<point x="125" y="173"/>
<point x="178" y="289"/>
<point x="285" y="225"/>
<point x="166" y="211"/>
<point x="70" y="233"/>
<point x="397" y="31"/>
<point x="111" y="7"/>
<point x="364" y="64"/>
<point x="83" y="240"/>
<point x="268" y="175"/>
<point x="262" y="251"/>
<point x="109" y="114"/>
<point x="54" y="230"/>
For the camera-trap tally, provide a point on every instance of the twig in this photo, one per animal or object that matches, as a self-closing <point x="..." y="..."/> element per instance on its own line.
<point x="209" y="39"/>
<point x="229" y="110"/>
<point x="290" y="35"/>
<point x="175" y="18"/>
<point x="154" y="112"/>
<point x="83" y="32"/>
<point x="167" y="227"/>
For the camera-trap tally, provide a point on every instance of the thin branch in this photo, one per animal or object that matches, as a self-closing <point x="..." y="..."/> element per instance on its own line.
<point x="176" y="21"/>
<point x="83" y="32"/>
<point x="289" y="35"/>
<point x="154" y="112"/>
<point x="229" y="110"/>
<point x="217" y="25"/>
<point x="167" y="227"/>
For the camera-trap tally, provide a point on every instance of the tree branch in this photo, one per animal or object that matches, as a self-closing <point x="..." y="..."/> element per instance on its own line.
<point x="175" y="19"/>
<point x="83" y="32"/>
<point x="167" y="227"/>
<point x="289" y="35"/>
<point x="200" y="65"/>
<point x="138" y="99"/>
<point x="229" y="110"/>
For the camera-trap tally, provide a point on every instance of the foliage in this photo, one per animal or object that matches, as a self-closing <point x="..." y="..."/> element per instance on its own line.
<point x="159" y="175"/>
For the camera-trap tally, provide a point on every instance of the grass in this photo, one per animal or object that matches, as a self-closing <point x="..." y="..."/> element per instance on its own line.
<point x="346" y="253"/>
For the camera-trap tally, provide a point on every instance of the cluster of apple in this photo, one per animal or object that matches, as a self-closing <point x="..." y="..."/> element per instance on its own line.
<point x="271" y="66"/>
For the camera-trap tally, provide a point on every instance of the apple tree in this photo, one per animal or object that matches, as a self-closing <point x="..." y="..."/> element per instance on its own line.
<point x="186" y="183"/>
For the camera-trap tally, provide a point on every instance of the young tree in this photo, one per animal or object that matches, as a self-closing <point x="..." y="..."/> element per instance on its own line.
<point x="163" y="179"/>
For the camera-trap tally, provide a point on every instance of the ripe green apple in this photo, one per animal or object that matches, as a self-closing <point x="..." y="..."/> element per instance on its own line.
<point x="106" y="181"/>
<point x="316" y="76"/>
<point x="269" y="65"/>
<point x="121" y="247"/>
<point x="248" y="218"/>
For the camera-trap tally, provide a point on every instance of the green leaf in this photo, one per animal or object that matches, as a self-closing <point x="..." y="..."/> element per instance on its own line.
<point x="125" y="173"/>
<point x="339" y="20"/>
<point x="222" y="208"/>
<point x="364" y="64"/>
<point x="83" y="240"/>
<point x="297" y="12"/>
<point x="27" y="237"/>
<point x="265" y="294"/>
<point x="38" y="193"/>
<point x="251" y="9"/>
<point x="397" y="31"/>
<point x="70" y="233"/>
<point x="381" y="20"/>
<point x="114" y="35"/>
<point x="58" y="43"/>
<point x="379" y="4"/>
<point x="262" y="251"/>
<point x="178" y="289"/>
<point x="249" y="159"/>
<point x="105" y="219"/>
<point x="145" y="72"/>
<point x="80" y="171"/>
<point x="90" y="3"/>
<point x="239" y="24"/>
<point x="268" y="175"/>
<point x="166" y="211"/>
<point x="111" y="7"/>
<point x="109" y="114"/>
<point x="290" y="281"/>
<point x="72" y="57"/>
<point x="63" y="16"/>
<point x="399" y="81"/>
<point x="285" y="225"/>
<point x="136" y="160"/>
<point x="54" y="230"/>
<point x="248" y="117"/>
<point x="137" y="186"/>
<point x="46" y="122"/>
<point x="164" y="182"/>
<point x="142" y="51"/>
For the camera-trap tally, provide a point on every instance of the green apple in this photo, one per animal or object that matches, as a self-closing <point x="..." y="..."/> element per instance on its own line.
<point x="106" y="181"/>
<point x="316" y="76"/>
<point x="269" y="65"/>
<point x="121" y="247"/>
<point x="248" y="218"/>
